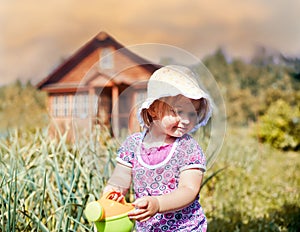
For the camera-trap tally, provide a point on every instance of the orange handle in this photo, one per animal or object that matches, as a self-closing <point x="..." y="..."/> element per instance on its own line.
<point x="112" y="207"/>
<point x="112" y="194"/>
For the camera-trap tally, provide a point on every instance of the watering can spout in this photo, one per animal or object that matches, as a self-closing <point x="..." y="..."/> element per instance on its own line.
<point x="94" y="211"/>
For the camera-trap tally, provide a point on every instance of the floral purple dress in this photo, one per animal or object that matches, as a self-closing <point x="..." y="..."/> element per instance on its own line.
<point x="156" y="176"/>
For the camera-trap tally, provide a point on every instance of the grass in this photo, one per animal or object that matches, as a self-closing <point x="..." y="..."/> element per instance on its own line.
<point x="257" y="191"/>
<point x="45" y="183"/>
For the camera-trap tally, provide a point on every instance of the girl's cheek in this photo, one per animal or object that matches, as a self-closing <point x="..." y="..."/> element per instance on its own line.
<point x="170" y="122"/>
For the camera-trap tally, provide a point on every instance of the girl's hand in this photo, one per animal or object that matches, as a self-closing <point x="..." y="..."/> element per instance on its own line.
<point x="146" y="207"/>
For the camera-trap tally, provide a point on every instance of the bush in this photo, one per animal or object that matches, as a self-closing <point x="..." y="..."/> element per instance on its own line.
<point x="280" y="126"/>
<point x="22" y="106"/>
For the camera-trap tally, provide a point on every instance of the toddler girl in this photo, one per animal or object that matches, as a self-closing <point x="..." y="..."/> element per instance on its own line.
<point x="164" y="163"/>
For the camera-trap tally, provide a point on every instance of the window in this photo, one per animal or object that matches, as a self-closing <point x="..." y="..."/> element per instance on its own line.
<point x="66" y="107"/>
<point x="61" y="105"/>
<point x="106" y="58"/>
<point x="55" y="106"/>
<point x="81" y="105"/>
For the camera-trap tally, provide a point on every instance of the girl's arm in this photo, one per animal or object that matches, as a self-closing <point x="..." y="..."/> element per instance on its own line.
<point x="120" y="180"/>
<point x="188" y="188"/>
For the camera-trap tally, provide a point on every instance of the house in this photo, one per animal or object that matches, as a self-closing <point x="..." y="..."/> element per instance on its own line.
<point x="102" y="83"/>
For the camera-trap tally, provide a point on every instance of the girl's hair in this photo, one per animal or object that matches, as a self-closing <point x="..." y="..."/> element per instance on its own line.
<point x="162" y="106"/>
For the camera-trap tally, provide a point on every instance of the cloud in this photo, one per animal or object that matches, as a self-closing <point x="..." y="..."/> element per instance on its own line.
<point x="35" y="37"/>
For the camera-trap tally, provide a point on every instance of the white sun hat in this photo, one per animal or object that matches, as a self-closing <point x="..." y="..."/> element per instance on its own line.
<point x="173" y="80"/>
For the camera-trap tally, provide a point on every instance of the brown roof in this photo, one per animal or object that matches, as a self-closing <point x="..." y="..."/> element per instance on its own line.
<point x="82" y="65"/>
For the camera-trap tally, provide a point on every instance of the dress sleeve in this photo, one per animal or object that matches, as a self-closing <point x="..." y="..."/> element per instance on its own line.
<point x="192" y="154"/>
<point x="125" y="154"/>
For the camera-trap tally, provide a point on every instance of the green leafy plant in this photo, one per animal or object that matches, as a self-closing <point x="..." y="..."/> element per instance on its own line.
<point x="46" y="182"/>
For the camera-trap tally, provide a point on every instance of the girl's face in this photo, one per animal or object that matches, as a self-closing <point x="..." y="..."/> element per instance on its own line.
<point x="180" y="118"/>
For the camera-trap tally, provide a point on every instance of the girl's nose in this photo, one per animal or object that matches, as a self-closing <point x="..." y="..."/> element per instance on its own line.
<point x="184" y="119"/>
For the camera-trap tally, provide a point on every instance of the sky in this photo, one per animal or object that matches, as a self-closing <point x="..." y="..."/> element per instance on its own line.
<point x="36" y="35"/>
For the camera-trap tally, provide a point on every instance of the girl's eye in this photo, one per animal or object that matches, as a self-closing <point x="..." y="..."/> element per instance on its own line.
<point x="192" y="114"/>
<point x="174" y="111"/>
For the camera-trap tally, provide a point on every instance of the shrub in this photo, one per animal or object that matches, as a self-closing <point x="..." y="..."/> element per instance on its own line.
<point x="280" y="126"/>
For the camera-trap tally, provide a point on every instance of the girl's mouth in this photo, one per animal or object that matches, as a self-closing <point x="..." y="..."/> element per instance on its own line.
<point x="181" y="128"/>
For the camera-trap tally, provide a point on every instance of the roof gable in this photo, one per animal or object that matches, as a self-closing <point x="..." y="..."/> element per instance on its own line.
<point x="76" y="67"/>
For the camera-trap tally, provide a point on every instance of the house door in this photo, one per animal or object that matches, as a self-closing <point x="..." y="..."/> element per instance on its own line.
<point x="104" y="106"/>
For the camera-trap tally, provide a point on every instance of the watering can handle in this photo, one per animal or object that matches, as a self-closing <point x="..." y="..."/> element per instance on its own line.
<point x="110" y="195"/>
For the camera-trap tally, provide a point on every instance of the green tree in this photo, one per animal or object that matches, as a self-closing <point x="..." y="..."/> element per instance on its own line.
<point x="249" y="88"/>
<point x="22" y="106"/>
